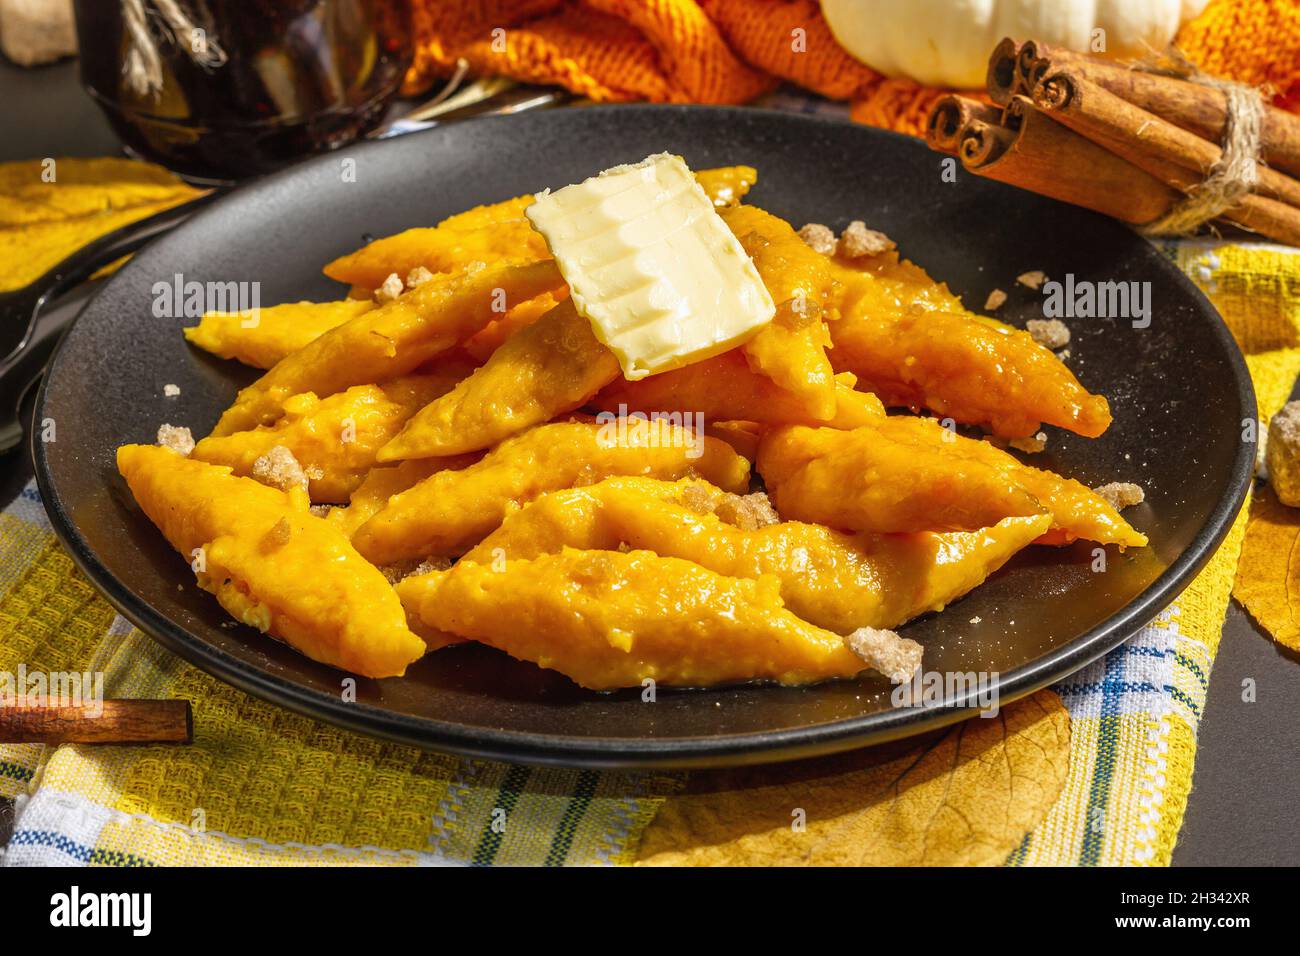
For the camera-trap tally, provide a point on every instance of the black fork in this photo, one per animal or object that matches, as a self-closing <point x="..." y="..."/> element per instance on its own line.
<point x="25" y="309"/>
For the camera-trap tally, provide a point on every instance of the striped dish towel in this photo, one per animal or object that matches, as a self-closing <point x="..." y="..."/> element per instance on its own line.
<point x="260" y="785"/>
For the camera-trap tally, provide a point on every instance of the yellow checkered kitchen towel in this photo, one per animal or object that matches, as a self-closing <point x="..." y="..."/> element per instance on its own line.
<point x="1102" y="780"/>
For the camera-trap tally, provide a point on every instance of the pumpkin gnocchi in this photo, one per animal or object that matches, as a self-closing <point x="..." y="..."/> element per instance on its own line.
<point x="459" y="457"/>
<point x="271" y="563"/>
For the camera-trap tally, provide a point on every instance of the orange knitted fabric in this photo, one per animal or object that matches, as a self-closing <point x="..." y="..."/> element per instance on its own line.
<point x="1251" y="41"/>
<point x="790" y="39"/>
<point x="729" y="51"/>
<point x="608" y="50"/>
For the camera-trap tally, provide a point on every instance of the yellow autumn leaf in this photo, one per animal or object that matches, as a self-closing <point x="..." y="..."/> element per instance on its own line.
<point x="51" y="208"/>
<point x="966" y="795"/>
<point x="1268" y="574"/>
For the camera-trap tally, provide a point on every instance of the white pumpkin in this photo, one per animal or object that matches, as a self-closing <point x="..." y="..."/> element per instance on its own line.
<point x="947" y="42"/>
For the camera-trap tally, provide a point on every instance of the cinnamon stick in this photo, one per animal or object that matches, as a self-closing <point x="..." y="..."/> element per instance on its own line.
<point x="1268" y="217"/>
<point x="1167" y="149"/>
<point x="950" y="116"/>
<point x="1191" y="106"/>
<point x="1095" y="112"/>
<point x="1033" y="59"/>
<point x="1040" y="155"/>
<point x="1002" y="79"/>
<point x="113" y="722"/>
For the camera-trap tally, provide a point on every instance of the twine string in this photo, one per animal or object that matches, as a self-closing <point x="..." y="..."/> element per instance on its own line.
<point x="1236" y="172"/>
<point x="142" y="67"/>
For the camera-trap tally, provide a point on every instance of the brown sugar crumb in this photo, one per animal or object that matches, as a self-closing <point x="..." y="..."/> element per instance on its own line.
<point x="898" y="658"/>
<point x="390" y="289"/>
<point x="395" y="572"/>
<point x="1049" y="333"/>
<point x="748" y="512"/>
<point x="1282" y="454"/>
<point x="819" y="238"/>
<point x="1033" y="444"/>
<point x="278" y="536"/>
<point x="279" y="469"/>
<point x="431" y="564"/>
<point x="1032" y="280"/>
<point x="1120" y="494"/>
<point x="405" y="569"/>
<point x="995" y="300"/>
<point x="321" y="511"/>
<point x="176" y="437"/>
<point x="698" y="499"/>
<point x="418" y="276"/>
<point x="857" y="241"/>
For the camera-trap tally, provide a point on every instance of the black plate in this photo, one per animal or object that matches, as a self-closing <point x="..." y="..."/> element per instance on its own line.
<point x="1179" y="391"/>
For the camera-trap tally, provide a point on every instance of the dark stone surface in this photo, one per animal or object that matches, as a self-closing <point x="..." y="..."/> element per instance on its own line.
<point x="44" y="112"/>
<point x="1242" y="810"/>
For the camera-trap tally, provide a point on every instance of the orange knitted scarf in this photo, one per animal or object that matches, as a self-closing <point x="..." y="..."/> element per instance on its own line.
<point x="729" y="51"/>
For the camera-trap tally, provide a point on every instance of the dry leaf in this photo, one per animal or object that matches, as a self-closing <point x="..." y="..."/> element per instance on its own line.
<point x="966" y="795"/>
<point x="49" y="211"/>
<point x="1268" y="574"/>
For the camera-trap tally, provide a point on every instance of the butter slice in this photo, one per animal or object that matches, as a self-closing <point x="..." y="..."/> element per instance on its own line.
<point x="652" y="266"/>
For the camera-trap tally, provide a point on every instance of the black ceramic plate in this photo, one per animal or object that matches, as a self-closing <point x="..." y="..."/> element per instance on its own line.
<point x="1179" y="392"/>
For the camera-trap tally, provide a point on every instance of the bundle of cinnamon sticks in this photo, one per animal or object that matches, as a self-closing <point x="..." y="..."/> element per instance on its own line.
<point x="1130" y="142"/>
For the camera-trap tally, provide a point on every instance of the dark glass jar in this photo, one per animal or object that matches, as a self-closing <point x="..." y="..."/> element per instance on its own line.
<point x="232" y="88"/>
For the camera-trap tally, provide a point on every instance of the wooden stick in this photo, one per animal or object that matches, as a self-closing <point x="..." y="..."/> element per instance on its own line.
<point x="1191" y="106"/>
<point x="119" y="722"/>
<point x="950" y="115"/>
<point x="1035" y="153"/>
<point x="1095" y="112"/>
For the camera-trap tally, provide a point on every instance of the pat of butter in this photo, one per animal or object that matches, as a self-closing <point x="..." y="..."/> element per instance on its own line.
<point x="652" y="266"/>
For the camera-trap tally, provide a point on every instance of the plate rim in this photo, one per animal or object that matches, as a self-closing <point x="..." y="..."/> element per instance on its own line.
<point x="660" y="752"/>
